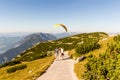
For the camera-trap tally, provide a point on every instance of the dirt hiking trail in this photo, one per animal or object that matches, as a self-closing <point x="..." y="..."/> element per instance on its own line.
<point x="60" y="70"/>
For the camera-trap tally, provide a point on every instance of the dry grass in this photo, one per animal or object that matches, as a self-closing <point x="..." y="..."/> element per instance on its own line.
<point x="33" y="70"/>
<point x="75" y="37"/>
<point x="79" y="67"/>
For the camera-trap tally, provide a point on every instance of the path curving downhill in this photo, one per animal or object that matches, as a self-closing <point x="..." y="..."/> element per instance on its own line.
<point x="60" y="70"/>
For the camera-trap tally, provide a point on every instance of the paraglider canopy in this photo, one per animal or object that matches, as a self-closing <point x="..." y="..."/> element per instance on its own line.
<point x="61" y="25"/>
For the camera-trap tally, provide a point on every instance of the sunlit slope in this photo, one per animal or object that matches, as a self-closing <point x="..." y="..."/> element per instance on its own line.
<point x="107" y="65"/>
<point x="68" y="43"/>
<point x="34" y="69"/>
<point x="80" y="66"/>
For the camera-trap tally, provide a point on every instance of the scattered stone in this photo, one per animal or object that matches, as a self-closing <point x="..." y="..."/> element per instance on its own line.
<point x="30" y="71"/>
<point x="81" y="58"/>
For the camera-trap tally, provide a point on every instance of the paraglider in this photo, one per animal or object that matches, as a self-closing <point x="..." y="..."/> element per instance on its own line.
<point x="61" y="25"/>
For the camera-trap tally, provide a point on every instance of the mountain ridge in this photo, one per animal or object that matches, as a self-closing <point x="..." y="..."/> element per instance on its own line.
<point x="24" y="44"/>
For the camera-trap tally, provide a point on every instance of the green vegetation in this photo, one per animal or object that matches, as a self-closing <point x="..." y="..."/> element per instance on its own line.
<point x="87" y="43"/>
<point x="79" y="67"/>
<point x="16" y="68"/>
<point x="87" y="46"/>
<point x="107" y="65"/>
<point x="10" y="63"/>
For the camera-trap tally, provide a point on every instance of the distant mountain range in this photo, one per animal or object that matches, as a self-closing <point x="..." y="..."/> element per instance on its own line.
<point x="7" y="43"/>
<point x="15" y="34"/>
<point x="113" y="33"/>
<point x="8" y="40"/>
<point x="65" y="34"/>
<point x="24" y="44"/>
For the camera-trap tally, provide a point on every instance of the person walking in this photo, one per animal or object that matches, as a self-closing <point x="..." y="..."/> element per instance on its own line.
<point x="56" y="54"/>
<point x="62" y="53"/>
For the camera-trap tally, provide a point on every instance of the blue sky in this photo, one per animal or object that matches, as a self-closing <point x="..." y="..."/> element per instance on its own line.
<point x="77" y="15"/>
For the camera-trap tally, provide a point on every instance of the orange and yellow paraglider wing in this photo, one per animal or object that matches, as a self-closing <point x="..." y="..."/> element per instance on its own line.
<point x="61" y="25"/>
<point x="64" y="27"/>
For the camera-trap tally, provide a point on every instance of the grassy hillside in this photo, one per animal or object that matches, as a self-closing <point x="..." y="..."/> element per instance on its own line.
<point x="107" y="65"/>
<point x="40" y="56"/>
<point x="43" y="49"/>
<point x="34" y="69"/>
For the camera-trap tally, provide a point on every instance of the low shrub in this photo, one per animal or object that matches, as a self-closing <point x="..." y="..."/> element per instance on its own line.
<point x="87" y="46"/>
<point x="10" y="63"/>
<point x="15" y="68"/>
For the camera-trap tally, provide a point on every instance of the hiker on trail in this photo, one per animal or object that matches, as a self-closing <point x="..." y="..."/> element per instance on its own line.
<point x="62" y="53"/>
<point x="56" y="53"/>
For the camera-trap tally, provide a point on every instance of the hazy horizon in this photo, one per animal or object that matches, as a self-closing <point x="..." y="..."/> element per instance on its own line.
<point x="51" y="32"/>
<point x="77" y="15"/>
